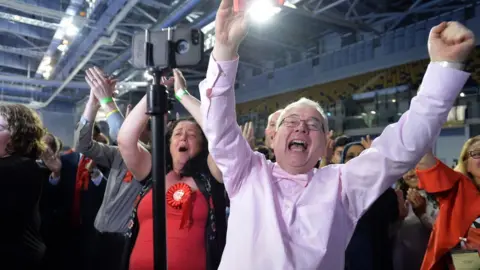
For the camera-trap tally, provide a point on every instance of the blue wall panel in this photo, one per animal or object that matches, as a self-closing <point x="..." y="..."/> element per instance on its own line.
<point x="361" y="51"/>
<point x="387" y="41"/>
<point x="420" y="33"/>
<point x="409" y="37"/>
<point x="459" y="15"/>
<point x="352" y="54"/>
<point x="369" y="50"/>
<point x="399" y="40"/>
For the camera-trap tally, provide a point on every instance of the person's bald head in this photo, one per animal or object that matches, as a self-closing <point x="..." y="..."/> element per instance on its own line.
<point x="271" y="127"/>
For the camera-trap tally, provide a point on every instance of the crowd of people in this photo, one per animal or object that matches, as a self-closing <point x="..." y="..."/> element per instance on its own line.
<point x="301" y="199"/>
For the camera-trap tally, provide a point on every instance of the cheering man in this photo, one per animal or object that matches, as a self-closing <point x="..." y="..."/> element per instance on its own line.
<point x="288" y="215"/>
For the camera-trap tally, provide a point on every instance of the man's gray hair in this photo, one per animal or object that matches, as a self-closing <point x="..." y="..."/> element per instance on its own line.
<point x="305" y="102"/>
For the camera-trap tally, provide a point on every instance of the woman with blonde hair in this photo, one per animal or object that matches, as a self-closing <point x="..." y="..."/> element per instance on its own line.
<point x="21" y="145"/>
<point x="457" y="228"/>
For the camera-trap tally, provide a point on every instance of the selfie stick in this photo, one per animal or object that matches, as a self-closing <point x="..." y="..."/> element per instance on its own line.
<point x="158" y="105"/>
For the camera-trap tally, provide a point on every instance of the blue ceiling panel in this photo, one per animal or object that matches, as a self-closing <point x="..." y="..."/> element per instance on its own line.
<point x="51" y="4"/>
<point x="26" y="30"/>
<point x="72" y="10"/>
<point x="17" y="61"/>
<point x="100" y="27"/>
<point x="36" y="95"/>
<point x="206" y="20"/>
<point x="46" y="83"/>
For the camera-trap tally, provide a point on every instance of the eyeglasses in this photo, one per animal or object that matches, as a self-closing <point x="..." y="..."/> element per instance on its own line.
<point x="313" y="124"/>
<point x="475" y="154"/>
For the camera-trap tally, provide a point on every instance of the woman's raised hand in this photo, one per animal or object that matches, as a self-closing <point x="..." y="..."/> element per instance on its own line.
<point x="101" y="85"/>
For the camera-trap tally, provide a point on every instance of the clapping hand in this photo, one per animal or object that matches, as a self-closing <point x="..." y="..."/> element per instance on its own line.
<point x="52" y="161"/>
<point x="248" y="134"/>
<point x="101" y="86"/>
<point x="177" y="81"/>
<point x="450" y="41"/>
<point x="418" y="202"/>
<point x="366" y="142"/>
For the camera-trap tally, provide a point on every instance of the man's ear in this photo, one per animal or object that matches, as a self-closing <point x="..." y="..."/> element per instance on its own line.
<point x="273" y="139"/>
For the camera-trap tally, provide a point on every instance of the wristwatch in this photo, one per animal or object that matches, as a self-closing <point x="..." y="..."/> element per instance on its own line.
<point x="455" y="65"/>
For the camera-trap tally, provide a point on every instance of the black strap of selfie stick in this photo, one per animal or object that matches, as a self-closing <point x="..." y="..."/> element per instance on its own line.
<point x="157" y="107"/>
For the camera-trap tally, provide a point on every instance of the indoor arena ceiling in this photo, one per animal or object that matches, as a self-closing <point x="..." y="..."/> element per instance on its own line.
<point x="46" y="45"/>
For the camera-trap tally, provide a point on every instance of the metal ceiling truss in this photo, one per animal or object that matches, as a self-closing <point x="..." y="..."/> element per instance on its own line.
<point x="145" y="14"/>
<point x="46" y="8"/>
<point x="155" y="4"/>
<point x="22" y="51"/>
<point x="30" y="21"/>
<point x="342" y="16"/>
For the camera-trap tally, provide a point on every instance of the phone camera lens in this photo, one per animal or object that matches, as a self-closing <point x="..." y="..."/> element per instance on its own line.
<point x="182" y="47"/>
<point x="195" y="36"/>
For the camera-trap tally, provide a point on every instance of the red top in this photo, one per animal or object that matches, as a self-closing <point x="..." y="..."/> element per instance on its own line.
<point x="81" y="184"/>
<point x="459" y="201"/>
<point x="185" y="247"/>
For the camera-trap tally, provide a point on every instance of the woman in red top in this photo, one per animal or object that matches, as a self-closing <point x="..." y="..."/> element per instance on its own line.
<point x="458" y="195"/>
<point x="196" y="217"/>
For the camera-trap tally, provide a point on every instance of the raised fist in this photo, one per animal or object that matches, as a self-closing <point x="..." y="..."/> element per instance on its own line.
<point x="450" y="41"/>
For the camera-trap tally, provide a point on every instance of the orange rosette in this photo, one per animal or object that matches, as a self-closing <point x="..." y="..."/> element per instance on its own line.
<point x="179" y="197"/>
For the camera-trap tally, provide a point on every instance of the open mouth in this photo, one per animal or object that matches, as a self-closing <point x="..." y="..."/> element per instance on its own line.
<point x="183" y="149"/>
<point x="298" y="146"/>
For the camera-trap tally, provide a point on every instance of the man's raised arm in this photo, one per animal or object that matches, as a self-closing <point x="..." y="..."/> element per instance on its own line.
<point x="226" y="144"/>
<point x="402" y="145"/>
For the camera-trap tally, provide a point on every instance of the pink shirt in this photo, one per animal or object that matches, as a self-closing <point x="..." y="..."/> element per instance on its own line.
<point x="277" y="222"/>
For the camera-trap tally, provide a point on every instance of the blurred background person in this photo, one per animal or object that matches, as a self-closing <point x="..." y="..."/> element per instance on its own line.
<point x="21" y="133"/>
<point x="413" y="232"/>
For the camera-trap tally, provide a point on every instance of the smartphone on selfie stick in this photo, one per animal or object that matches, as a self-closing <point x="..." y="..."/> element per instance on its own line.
<point x="158" y="52"/>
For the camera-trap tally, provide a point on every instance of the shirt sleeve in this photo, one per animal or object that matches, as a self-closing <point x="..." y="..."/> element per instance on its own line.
<point x="97" y="177"/>
<point x="401" y="145"/>
<point x="101" y="153"/>
<point x="53" y="180"/>
<point x="115" y="121"/>
<point x="439" y="178"/>
<point x="229" y="149"/>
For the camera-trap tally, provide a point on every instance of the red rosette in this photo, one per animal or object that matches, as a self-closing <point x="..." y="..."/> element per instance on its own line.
<point x="178" y="194"/>
<point x="179" y="197"/>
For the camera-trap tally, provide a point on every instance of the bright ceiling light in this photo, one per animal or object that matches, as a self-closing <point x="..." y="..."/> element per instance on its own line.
<point x="71" y="31"/>
<point x="462" y="94"/>
<point x="67" y="27"/>
<point x="59" y="34"/>
<point x="262" y="10"/>
<point x="66" y="22"/>
<point x="46" y="75"/>
<point x="48" y="68"/>
<point x="47" y="60"/>
<point x="62" y="47"/>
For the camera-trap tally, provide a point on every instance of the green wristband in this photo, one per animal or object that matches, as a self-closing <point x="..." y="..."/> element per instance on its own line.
<point x="180" y="93"/>
<point x="106" y="100"/>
